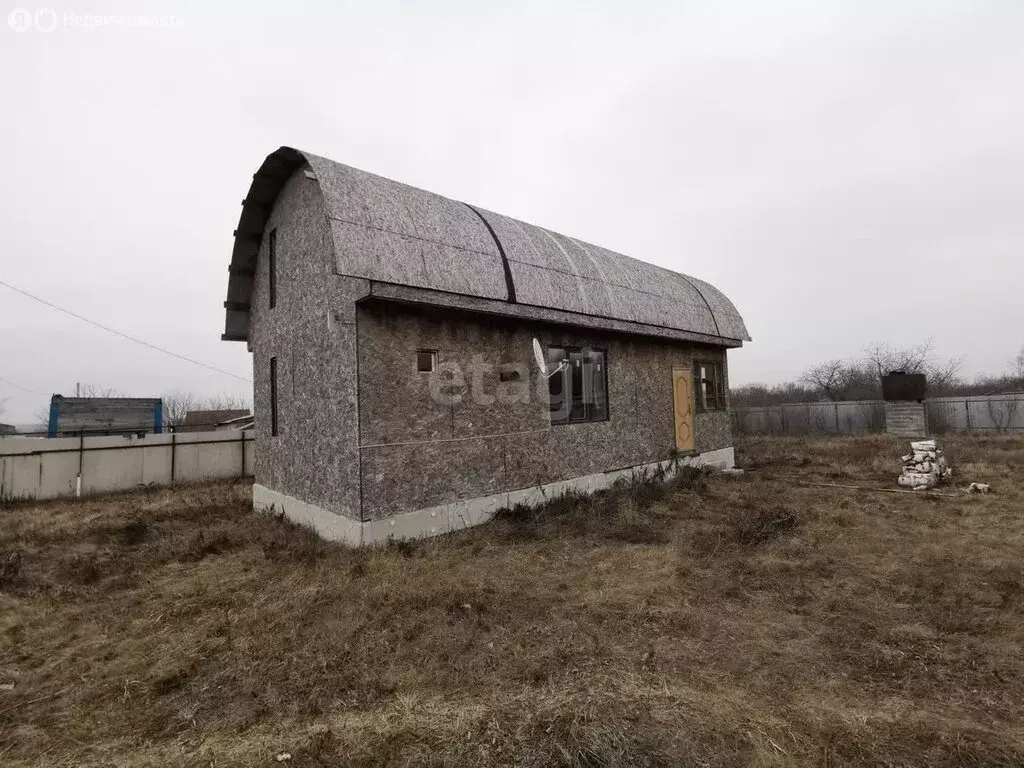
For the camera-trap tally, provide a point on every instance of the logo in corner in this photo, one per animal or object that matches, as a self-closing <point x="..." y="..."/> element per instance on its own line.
<point x="19" y="20"/>
<point x="46" y="19"/>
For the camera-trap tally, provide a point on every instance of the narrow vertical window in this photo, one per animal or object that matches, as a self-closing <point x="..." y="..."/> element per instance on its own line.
<point x="596" y="385"/>
<point x="558" y="388"/>
<point x="272" y="273"/>
<point x="273" y="397"/>
<point x="578" y="410"/>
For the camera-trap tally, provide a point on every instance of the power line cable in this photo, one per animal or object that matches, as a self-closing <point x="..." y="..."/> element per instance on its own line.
<point x="16" y="385"/>
<point x="119" y="333"/>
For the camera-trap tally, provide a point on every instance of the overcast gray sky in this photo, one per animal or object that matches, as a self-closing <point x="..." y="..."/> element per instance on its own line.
<point x="844" y="172"/>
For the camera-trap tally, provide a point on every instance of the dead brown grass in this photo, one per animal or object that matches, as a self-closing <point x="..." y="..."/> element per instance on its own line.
<point x="717" y="622"/>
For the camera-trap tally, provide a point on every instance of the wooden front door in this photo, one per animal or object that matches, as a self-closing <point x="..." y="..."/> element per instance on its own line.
<point x="682" y="395"/>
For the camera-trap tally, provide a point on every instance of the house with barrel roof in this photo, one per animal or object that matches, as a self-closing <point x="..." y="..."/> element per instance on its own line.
<point x="420" y="363"/>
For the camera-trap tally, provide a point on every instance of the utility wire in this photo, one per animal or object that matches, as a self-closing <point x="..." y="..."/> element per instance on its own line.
<point x="119" y="333"/>
<point x="19" y="386"/>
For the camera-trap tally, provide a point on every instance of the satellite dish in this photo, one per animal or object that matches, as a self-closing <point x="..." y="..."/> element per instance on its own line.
<point x="542" y="363"/>
<point x="538" y="355"/>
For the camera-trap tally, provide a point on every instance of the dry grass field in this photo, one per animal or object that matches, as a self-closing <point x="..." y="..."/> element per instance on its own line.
<point x="719" y="622"/>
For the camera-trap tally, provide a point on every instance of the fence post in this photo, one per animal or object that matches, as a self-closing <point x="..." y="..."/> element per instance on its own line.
<point x="967" y="410"/>
<point x="81" y="462"/>
<point x="836" y="406"/>
<point x="241" y="444"/>
<point x="174" y="452"/>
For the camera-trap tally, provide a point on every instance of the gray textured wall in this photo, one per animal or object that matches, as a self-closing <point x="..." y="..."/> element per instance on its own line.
<point x="311" y="331"/>
<point x="386" y="446"/>
<point x="418" y="453"/>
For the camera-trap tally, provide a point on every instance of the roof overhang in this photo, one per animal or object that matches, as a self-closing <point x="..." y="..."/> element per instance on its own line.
<point x="403" y="294"/>
<point x="267" y="184"/>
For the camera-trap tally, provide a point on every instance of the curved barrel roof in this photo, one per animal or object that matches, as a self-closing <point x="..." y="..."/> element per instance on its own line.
<point x="390" y="232"/>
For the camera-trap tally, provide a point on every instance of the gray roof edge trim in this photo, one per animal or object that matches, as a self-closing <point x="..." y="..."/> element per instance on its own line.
<point x="286" y="161"/>
<point x="410" y="294"/>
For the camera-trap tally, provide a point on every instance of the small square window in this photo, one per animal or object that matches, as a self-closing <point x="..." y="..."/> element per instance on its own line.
<point x="426" y="360"/>
<point x="509" y="372"/>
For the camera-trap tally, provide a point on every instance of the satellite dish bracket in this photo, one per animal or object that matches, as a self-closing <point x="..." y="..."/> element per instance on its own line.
<point x="542" y="363"/>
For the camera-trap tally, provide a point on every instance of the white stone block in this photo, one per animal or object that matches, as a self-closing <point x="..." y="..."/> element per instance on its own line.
<point x="917" y="482"/>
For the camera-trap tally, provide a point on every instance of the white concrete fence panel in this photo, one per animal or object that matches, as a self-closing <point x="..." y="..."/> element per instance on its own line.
<point x="992" y="413"/>
<point x="46" y="468"/>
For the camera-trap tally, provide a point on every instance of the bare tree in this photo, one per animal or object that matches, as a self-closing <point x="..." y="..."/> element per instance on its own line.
<point x="833" y="378"/>
<point x="754" y="395"/>
<point x="97" y="390"/>
<point x="943" y="375"/>
<point x="884" y="358"/>
<point x="860" y="379"/>
<point x="1003" y="413"/>
<point x="176" y="405"/>
<point x="227" y="402"/>
<point x="41" y="417"/>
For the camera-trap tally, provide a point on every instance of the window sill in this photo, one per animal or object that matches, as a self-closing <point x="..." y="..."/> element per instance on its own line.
<point x="578" y="423"/>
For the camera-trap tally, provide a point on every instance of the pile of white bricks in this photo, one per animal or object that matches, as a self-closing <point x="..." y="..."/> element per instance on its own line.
<point x="925" y="467"/>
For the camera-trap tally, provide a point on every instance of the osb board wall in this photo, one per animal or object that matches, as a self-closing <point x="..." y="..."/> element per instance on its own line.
<point x="314" y="334"/>
<point x="311" y="332"/>
<point x="417" y="452"/>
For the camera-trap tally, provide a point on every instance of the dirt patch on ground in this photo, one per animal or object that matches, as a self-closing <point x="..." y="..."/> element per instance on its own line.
<point x="715" y="622"/>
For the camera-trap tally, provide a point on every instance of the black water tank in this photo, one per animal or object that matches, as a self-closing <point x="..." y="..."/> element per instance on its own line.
<point x="898" y="385"/>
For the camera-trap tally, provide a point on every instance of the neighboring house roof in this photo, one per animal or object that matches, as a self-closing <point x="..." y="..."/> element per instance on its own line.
<point x="393" y="233"/>
<point x="196" y="420"/>
<point x="248" y="421"/>
<point x="7" y="429"/>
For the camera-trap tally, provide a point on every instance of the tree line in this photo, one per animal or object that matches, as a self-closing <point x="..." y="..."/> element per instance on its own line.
<point x="860" y="378"/>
